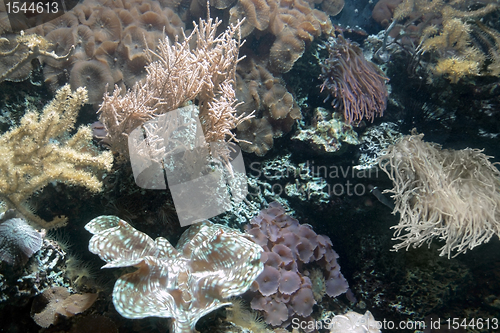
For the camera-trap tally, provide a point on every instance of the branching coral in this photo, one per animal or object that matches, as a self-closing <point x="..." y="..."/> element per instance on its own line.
<point x="211" y="263"/>
<point x="357" y="85"/>
<point x="453" y="195"/>
<point x="452" y="32"/>
<point x="40" y="151"/>
<point x="181" y="75"/>
<point x="17" y="54"/>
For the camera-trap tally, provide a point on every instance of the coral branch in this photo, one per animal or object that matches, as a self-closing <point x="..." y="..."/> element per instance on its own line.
<point x="178" y="76"/>
<point x="38" y="152"/>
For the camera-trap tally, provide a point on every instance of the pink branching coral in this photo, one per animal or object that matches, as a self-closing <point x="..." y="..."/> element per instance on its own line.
<point x="292" y="251"/>
<point x="211" y="263"/>
<point x="356" y="84"/>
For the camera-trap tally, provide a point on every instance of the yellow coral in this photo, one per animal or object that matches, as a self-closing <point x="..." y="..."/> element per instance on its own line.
<point x="38" y="152"/>
<point x="448" y="29"/>
<point x="456" y="68"/>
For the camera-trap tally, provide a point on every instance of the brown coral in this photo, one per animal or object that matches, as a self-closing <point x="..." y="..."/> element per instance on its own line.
<point x="56" y="301"/>
<point x="98" y="29"/>
<point x="285" y="51"/>
<point x="275" y="107"/>
<point x="94" y="76"/>
<point x="256" y="136"/>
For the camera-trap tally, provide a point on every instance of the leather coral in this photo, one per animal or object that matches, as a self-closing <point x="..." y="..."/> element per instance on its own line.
<point x="211" y="263"/>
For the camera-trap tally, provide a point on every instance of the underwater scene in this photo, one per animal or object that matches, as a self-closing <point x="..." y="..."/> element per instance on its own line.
<point x="248" y="166"/>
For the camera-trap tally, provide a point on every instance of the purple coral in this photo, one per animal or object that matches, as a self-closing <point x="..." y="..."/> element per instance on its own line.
<point x="356" y="84"/>
<point x="288" y="247"/>
<point x="18" y="241"/>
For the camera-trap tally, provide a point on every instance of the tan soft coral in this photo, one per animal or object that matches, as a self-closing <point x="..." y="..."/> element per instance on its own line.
<point x="98" y="28"/>
<point x="451" y="31"/>
<point x="39" y="152"/>
<point x="452" y="195"/>
<point x="293" y="22"/>
<point x="267" y="95"/>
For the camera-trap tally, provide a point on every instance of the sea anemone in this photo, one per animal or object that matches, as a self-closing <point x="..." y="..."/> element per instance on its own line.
<point x="357" y="85"/>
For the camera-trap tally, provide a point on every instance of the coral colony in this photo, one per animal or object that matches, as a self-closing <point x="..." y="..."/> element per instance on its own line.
<point x="283" y="291"/>
<point x="39" y="151"/>
<point x="174" y="89"/>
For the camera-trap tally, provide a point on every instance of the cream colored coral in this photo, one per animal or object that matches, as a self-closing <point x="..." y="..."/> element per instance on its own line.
<point x="38" y="152"/>
<point x="181" y="75"/>
<point x="15" y="64"/>
<point x="452" y="195"/>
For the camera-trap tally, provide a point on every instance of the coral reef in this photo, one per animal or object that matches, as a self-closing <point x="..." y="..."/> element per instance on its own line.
<point x="39" y="151"/>
<point x="45" y="269"/>
<point x="238" y="315"/>
<point x="450" y="194"/>
<point x="327" y="132"/>
<point x="373" y="142"/>
<point x="356" y="84"/>
<point x="275" y="108"/>
<point x="17" y="53"/>
<point x="211" y="263"/>
<point x="109" y="38"/>
<point x="293" y="23"/>
<point x="284" y="290"/>
<point x="461" y="44"/>
<point x="181" y="75"/>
